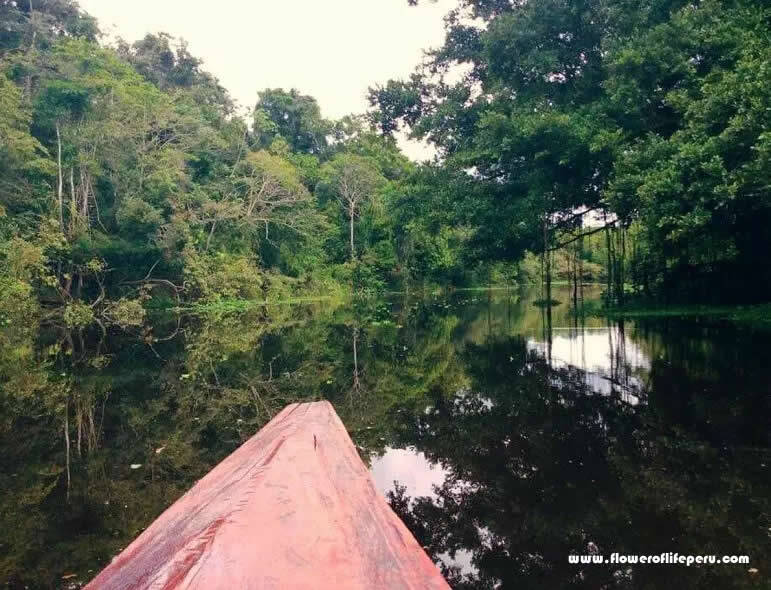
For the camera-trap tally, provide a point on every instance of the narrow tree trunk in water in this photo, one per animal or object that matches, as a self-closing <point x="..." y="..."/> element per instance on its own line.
<point x="79" y="420"/>
<point x="79" y="286"/>
<point x="609" y="294"/>
<point x="355" y="354"/>
<point x="67" y="443"/>
<point x="617" y="265"/>
<point x="548" y="279"/>
<point x="581" y="268"/>
<point x="549" y="342"/>
<point x="575" y="277"/>
<point x="546" y="261"/>
<point x="622" y="267"/>
<point x="356" y="385"/>
<point x="614" y="250"/>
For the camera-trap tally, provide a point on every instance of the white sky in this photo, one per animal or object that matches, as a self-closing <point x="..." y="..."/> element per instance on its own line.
<point x="331" y="49"/>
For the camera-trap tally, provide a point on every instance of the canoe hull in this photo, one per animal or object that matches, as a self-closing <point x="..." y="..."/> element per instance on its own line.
<point x="293" y="507"/>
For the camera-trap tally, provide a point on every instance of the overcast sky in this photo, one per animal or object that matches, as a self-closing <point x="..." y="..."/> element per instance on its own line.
<point x="330" y="49"/>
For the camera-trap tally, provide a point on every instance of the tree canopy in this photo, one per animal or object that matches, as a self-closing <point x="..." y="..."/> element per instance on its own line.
<point x="654" y="114"/>
<point x="627" y="137"/>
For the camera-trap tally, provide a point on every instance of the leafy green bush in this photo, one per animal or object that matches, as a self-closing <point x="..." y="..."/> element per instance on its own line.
<point x="214" y="277"/>
<point x="126" y="312"/>
<point x="77" y="314"/>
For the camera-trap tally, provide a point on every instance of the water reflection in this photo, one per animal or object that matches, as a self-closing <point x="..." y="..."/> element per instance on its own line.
<point x="410" y="468"/>
<point x="515" y="439"/>
<point x="611" y="362"/>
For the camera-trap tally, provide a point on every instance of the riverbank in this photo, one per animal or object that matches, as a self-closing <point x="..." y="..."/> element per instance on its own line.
<point x="755" y="314"/>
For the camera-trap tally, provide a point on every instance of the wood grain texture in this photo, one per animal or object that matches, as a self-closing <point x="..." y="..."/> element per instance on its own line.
<point x="294" y="507"/>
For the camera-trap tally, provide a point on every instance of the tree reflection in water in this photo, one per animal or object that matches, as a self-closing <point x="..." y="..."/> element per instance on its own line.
<point x="542" y="459"/>
<point x="541" y="436"/>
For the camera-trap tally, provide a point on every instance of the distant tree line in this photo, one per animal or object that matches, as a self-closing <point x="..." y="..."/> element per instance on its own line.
<point x="621" y="142"/>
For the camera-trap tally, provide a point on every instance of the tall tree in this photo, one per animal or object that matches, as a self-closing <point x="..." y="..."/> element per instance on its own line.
<point x="26" y="24"/>
<point x="353" y="180"/>
<point x="293" y="116"/>
<point x="167" y="63"/>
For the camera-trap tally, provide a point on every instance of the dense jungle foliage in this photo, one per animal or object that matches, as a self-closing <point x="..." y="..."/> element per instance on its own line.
<point x="128" y="176"/>
<point x="649" y="117"/>
<point x="625" y="142"/>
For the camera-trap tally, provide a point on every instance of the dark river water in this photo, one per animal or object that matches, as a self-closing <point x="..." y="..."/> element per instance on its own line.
<point x="506" y="438"/>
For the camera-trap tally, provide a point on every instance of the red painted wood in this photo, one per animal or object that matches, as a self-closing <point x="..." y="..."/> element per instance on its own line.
<point x="294" y="507"/>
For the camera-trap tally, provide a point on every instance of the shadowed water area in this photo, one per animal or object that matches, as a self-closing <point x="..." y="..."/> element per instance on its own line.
<point x="506" y="437"/>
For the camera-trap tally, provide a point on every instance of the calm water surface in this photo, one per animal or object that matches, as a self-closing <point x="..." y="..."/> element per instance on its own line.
<point x="505" y="437"/>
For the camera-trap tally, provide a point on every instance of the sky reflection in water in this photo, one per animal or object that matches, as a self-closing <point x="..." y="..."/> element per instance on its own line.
<point x="513" y="442"/>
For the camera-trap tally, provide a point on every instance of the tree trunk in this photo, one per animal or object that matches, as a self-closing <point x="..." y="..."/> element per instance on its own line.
<point x="67" y="289"/>
<point x="622" y="267"/>
<point x="581" y="268"/>
<point x="614" y="256"/>
<point x="85" y="188"/>
<point x="547" y="260"/>
<point x="79" y="422"/>
<point x="67" y="443"/>
<point x="575" y="278"/>
<point x="617" y="266"/>
<point x="79" y="286"/>
<point x="211" y="234"/>
<point x="545" y="270"/>
<point x="609" y="294"/>
<point x="73" y="202"/>
<point x="356" y="381"/>
<point x="350" y="224"/>
<point x="60" y="191"/>
<point x="28" y="81"/>
<point x="548" y="279"/>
